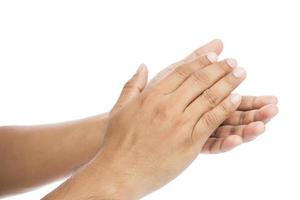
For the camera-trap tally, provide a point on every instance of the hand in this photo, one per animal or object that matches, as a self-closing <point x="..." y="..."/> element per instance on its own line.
<point x="158" y="132"/>
<point x="142" y="151"/>
<point x="244" y="125"/>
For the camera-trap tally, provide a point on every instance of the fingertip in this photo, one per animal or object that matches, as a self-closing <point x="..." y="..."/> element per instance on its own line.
<point x="231" y="142"/>
<point x="258" y="127"/>
<point x="232" y="62"/>
<point x="253" y="130"/>
<point x="273" y="100"/>
<point x="270" y="99"/>
<point x="236" y="140"/>
<point x="219" y="43"/>
<point x="267" y="112"/>
<point x="273" y="110"/>
<point x="142" y="68"/>
<point x="143" y="71"/>
<point x="239" y="72"/>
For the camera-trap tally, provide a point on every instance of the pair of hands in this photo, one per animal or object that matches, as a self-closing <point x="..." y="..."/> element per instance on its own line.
<point x="243" y="125"/>
<point x="155" y="131"/>
<point x="162" y="129"/>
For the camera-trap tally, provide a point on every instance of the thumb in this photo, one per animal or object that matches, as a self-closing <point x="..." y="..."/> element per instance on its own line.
<point x="133" y="87"/>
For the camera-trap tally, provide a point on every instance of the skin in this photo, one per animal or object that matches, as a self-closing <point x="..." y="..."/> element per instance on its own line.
<point x="158" y="132"/>
<point x="35" y="155"/>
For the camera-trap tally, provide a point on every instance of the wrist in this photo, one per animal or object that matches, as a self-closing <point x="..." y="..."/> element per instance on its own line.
<point x="95" y="181"/>
<point x="101" y="122"/>
<point x="114" y="179"/>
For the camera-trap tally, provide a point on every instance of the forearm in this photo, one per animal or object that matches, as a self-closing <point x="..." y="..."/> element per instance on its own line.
<point x="33" y="155"/>
<point x="101" y="179"/>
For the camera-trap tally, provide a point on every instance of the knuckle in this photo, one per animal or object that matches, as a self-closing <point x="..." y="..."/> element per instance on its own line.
<point x="181" y="122"/>
<point x="128" y="85"/>
<point x="211" y="119"/>
<point x="225" y="108"/>
<point x="210" y="97"/>
<point x="202" y="61"/>
<point x="200" y="77"/>
<point x="181" y="72"/>
<point x="248" y="117"/>
<point x="242" y="119"/>
<point x="176" y="65"/>
<point x="231" y="82"/>
<point x="224" y="66"/>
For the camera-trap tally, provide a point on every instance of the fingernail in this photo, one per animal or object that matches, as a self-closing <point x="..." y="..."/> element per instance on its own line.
<point x="235" y="98"/>
<point x="212" y="57"/>
<point x="239" y="72"/>
<point x="232" y="62"/>
<point x="141" y="68"/>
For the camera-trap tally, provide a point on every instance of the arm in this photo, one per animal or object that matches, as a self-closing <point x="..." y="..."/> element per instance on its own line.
<point x="34" y="155"/>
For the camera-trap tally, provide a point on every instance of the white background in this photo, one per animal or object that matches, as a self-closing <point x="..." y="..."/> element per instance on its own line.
<point x="63" y="60"/>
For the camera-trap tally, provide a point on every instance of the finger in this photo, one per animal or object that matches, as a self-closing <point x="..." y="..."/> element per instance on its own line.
<point x="245" y="117"/>
<point x="201" y="80"/>
<point x="216" y="93"/>
<point x="133" y="87"/>
<point x="213" y="46"/>
<point x="256" y="102"/>
<point x="220" y="145"/>
<point x="177" y="77"/>
<point x="247" y="132"/>
<point x="213" y="118"/>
